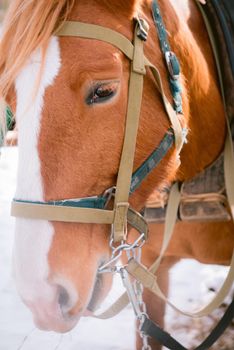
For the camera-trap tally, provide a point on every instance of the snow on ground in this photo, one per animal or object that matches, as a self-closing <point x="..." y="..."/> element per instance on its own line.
<point x="18" y="332"/>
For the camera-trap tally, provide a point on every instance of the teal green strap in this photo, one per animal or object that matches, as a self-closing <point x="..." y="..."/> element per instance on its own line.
<point x="9" y="118"/>
<point x="153" y="160"/>
<point x="170" y="58"/>
<point x="96" y="202"/>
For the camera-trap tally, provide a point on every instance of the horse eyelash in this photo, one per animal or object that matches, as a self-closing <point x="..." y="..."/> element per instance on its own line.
<point x="90" y="98"/>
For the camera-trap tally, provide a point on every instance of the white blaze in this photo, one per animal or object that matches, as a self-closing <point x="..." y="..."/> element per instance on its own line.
<point x="32" y="237"/>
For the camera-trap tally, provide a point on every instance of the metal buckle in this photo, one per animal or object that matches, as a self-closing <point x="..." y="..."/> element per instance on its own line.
<point x="109" y="194"/>
<point x="143" y="28"/>
<point x="172" y="64"/>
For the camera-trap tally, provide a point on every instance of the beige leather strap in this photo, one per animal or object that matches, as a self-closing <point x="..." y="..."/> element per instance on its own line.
<point x="93" y="31"/>
<point x="137" y="221"/>
<point x="114" y="309"/>
<point x="170" y="221"/>
<point x="132" y="121"/>
<point x="120" y="222"/>
<point x="82" y="215"/>
<point x="173" y="117"/>
<point x="60" y="213"/>
<point x="149" y="281"/>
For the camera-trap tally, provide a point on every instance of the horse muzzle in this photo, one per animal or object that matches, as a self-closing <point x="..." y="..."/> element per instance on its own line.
<point x="59" y="315"/>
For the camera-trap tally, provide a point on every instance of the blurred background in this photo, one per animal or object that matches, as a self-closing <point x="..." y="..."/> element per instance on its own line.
<point x="3" y="6"/>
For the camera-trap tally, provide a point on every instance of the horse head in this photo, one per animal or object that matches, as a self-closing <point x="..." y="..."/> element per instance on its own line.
<point x="70" y="98"/>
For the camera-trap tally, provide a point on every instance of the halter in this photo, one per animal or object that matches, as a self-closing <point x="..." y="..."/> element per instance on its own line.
<point x="93" y="209"/>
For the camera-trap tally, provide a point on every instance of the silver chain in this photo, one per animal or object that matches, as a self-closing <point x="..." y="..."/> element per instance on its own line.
<point x="134" y="290"/>
<point x="144" y="337"/>
<point x="135" y="294"/>
<point x="117" y="252"/>
<point x="139" y="295"/>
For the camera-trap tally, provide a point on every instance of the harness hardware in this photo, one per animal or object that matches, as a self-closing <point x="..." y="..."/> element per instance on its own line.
<point x="172" y="65"/>
<point x="109" y="194"/>
<point x="118" y="250"/>
<point x="143" y="29"/>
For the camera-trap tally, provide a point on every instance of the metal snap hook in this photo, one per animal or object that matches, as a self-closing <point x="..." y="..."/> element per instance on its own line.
<point x="143" y="28"/>
<point x="108" y="195"/>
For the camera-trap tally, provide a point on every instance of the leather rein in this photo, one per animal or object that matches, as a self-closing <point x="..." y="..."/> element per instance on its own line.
<point x="96" y="210"/>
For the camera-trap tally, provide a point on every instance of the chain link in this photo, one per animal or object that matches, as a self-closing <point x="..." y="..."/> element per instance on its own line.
<point x="139" y="289"/>
<point x="135" y="289"/>
<point x="117" y="251"/>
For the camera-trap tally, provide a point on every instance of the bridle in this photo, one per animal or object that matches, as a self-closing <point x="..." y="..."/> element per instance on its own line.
<point x="96" y="209"/>
<point x="92" y="210"/>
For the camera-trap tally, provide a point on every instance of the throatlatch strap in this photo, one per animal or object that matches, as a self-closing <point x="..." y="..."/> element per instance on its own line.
<point x="173" y="117"/>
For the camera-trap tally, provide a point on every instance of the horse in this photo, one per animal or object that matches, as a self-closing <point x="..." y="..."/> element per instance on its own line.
<point x="69" y="96"/>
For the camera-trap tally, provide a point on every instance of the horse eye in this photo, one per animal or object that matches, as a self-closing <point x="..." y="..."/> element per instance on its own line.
<point x="102" y="92"/>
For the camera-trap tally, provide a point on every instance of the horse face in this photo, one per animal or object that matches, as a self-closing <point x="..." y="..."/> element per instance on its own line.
<point x="70" y="140"/>
<point x="71" y="129"/>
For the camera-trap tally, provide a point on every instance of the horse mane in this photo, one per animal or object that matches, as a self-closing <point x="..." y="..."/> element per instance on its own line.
<point x="28" y="25"/>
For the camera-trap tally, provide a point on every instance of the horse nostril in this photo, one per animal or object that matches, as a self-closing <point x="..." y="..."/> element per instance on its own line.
<point x="67" y="295"/>
<point x="63" y="298"/>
